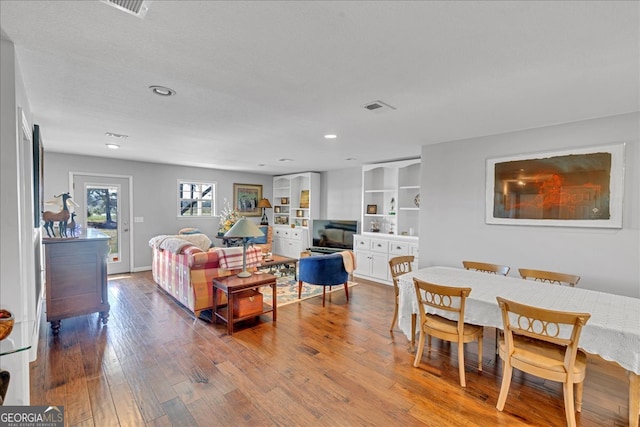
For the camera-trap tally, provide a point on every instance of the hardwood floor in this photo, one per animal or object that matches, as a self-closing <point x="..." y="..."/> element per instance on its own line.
<point x="337" y="366"/>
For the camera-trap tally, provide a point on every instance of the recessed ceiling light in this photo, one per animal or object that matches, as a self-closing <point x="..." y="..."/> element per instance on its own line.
<point x="113" y="146"/>
<point x="260" y="164"/>
<point x="116" y="135"/>
<point x="351" y="159"/>
<point x="331" y="136"/>
<point x="285" y="160"/>
<point x="162" y="90"/>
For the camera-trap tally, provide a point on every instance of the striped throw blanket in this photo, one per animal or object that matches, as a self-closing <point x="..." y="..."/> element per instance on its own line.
<point x="231" y="258"/>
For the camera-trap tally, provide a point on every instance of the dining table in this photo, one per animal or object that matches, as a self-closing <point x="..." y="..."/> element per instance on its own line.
<point x="612" y="332"/>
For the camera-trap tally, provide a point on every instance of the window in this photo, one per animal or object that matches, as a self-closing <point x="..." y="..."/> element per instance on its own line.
<point x="196" y="199"/>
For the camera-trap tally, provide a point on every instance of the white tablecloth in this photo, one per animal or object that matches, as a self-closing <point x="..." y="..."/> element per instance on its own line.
<point x="612" y="332"/>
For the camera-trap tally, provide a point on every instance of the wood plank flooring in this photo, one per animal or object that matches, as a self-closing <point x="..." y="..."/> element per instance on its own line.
<point x="151" y="365"/>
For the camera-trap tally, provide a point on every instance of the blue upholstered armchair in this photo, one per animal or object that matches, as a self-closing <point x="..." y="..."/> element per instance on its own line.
<point x="323" y="270"/>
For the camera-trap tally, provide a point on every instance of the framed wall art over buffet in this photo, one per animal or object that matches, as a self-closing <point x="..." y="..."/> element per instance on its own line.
<point x="581" y="187"/>
<point x="246" y="198"/>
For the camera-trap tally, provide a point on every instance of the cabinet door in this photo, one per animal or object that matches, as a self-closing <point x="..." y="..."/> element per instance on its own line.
<point x="363" y="263"/>
<point x="379" y="266"/>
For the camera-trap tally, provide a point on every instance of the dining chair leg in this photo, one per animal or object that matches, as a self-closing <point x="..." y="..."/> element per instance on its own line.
<point x="416" y="361"/>
<point x="463" y="382"/>
<point x="480" y="352"/>
<point x="504" y="388"/>
<point x="634" y="398"/>
<point x="567" y="389"/>
<point x="414" y="317"/>
<point x="579" y="388"/>
<point x="395" y="315"/>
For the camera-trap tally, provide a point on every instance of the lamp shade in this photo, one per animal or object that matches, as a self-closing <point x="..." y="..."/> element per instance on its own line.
<point x="244" y="228"/>
<point x="264" y="203"/>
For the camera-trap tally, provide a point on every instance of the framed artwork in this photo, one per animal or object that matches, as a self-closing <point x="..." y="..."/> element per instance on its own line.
<point x="38" y="176"/>
<point x="246" y="197"/>
<point x="304" y="199"/>
<point x="372" y="209"/>
<point x="574" y="188"/>
<point x="284" y="200"/>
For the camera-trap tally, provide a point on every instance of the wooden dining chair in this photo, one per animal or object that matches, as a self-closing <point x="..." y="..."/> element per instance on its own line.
<point x="549" y="277"/>
<point x="486" y="268"/>
<point x="536" y="343"/>
<point x="399" y="265"/>
<point x="450" y="299"/>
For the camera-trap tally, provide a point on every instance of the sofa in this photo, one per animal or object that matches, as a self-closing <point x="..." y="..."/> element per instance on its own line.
<point x="184" y="266"/>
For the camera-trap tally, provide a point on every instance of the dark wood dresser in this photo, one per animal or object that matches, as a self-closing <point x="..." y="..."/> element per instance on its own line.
<point x="76" y="277"/>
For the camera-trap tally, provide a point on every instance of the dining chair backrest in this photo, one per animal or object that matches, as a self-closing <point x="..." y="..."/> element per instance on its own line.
<point x="549" y="276"/>
<point x="451" y="299"/>
<point x="486" y="267"/>
<point x="399" y="265"/>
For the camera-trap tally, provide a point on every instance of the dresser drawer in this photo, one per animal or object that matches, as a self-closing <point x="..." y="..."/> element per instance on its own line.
<point x="379" y="245"/>
<point x="361" y="243"/>
<point x="399" y="248"/>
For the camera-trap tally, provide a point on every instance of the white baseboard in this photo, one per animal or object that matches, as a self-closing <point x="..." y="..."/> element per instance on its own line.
<point x="139" y="269"/>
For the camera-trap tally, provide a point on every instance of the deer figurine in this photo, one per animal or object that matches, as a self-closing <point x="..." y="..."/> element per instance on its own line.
<point x="71" y="227"/>
<point x="62" y="217"/>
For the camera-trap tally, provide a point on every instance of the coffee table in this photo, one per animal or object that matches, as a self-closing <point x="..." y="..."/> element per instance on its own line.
<point x="279" y="260"/>
<point x="231" y="286"/>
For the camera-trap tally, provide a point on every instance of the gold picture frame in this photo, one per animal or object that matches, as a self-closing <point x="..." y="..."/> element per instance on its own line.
<point x="246" y="198"/>
<point x="372" y="209"/>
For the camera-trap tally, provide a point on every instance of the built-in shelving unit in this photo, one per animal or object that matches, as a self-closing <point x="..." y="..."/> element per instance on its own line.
<point x="391" y="197"/>
<point x="296" y="202"/>
<point x="390" y="205"/>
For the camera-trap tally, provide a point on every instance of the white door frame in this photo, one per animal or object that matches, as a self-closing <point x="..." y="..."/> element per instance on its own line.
<point x="129" y="178"/>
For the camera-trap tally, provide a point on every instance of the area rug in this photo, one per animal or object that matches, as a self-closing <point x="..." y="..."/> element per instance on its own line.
<point x="287" y="291"/>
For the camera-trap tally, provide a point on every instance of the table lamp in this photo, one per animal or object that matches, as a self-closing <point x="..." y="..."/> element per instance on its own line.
<point x="244" y="229"/>
<point x="264" y="203"/>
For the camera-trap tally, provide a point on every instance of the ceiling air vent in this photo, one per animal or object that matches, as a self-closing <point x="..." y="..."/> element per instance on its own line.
<point x="378" y="107"/>
<point x="133" y="7"/>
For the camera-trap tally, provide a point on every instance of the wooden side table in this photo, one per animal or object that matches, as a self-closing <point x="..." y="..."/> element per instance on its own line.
<point x="231" y="286"/>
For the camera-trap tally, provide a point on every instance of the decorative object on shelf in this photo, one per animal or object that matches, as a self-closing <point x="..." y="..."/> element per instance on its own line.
<point x="299" y="213"/>
<point x="264" y="204"/>
<point x="284" y="200"/>
<point x="374" y="227"/>
<point x="372" y="209"/>
<point x="276" y="209"/>
<point x="6" y="323"/>
<point x="244" y="229"/>
<point x="61" y="217"/>
<point x="305" y="222"/>
<point x="246" y="197"/>
<point x="416" y="200"/>
<point x="304" y="199"/>
<point x="392" y="211"/>
<point x="228" y="217"/>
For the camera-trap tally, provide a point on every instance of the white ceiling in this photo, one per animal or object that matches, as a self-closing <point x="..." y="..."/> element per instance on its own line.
<point x="261" y="81"/>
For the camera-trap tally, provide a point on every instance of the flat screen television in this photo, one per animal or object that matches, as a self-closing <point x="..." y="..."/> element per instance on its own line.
<point x="330" y="235"/>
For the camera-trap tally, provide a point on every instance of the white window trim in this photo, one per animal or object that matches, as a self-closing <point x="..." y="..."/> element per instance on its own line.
<point x="214" y="186"/>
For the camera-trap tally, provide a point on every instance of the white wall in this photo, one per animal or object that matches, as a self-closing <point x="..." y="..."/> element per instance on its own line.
<point x="452" y="218"/>
<point x="19" y="238"/>
<point x="154" y="193"/>
<point x="341" y="194"/>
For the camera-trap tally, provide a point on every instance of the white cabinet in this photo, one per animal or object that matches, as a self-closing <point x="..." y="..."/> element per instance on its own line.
<point x="373" y="255"/>
<point x="296" y="201"/>
<point x="391" y="197"/>
<point x="288" y="241"/>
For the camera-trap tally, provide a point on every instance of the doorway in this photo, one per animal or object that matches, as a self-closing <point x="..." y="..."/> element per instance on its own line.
<point x="105" y="206"/>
